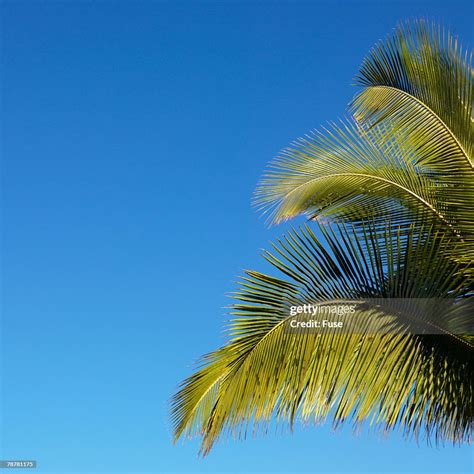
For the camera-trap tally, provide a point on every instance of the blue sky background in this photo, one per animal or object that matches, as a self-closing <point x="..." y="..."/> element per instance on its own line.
<point x="133" y="134"/>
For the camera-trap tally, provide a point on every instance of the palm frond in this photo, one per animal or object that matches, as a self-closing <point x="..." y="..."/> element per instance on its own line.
<point x="350" y="173"/>
<point x="420" y="383"/>
<point x="419" y="83"/>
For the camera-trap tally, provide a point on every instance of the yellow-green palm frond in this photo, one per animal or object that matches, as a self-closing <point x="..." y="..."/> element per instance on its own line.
<point x="350" y="173"/>
<point x="419" y="83"/>
<point x="422" y="384"/>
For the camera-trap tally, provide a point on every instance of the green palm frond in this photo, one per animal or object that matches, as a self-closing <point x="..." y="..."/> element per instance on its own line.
<point x="419" y="83"/>
<point x="420" y="383"/>
<point x="346" y="172"/>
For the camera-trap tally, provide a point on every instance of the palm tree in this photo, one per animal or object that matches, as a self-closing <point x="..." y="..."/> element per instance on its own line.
<point x="394" y="184"/>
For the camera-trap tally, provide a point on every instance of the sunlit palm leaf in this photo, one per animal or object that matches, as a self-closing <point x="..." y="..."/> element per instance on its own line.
<point x="421" y="383"/>
<point x="345" y="172"/>
<point x="420" y="84"/>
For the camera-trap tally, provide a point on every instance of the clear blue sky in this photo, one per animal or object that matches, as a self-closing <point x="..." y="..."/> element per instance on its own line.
<point x="133" y="134"/>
